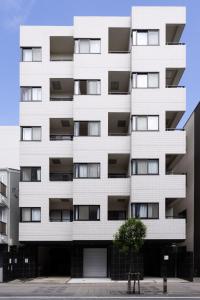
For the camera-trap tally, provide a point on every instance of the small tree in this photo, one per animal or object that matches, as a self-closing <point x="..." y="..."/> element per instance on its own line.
<point x="129" y="239"/>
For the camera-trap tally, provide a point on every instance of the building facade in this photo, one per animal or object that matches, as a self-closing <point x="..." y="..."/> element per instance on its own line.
<point x="100" y="102"/>
<point x="9" y="191"/>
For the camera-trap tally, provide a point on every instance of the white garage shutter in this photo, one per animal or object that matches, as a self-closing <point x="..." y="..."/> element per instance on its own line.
<point x="95" y="262"/>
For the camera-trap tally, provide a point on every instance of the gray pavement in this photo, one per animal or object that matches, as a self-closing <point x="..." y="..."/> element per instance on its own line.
<point x="111" y="290"/>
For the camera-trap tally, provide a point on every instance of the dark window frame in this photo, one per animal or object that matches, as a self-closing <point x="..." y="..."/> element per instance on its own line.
<point x="89" y="39"/>
<point x="89" y="206"/>
<point x="31" y="167"/>
<point x="147" y="204"/>
<point x="147" y="160"/>
<point x="61" y="215"/>
<point x="146" y="30"/>
<point x="138" y="116"/>
<point x="78" y="164"/>
<point x="32" y="140"/>
<point x="30" y="48"/>
<point x="30" y="87"/>
<point x="31" y="209"/>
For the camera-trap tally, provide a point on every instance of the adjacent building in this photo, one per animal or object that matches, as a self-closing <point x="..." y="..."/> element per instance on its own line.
<point x="9" y="191"/>
<point x="100" y="102"/>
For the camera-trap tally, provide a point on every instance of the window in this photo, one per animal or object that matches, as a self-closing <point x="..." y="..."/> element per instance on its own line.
<point x="145" y="167"/>
<point x="86" y="212"/>
<point x="30" y="174"/>
<point x="2" y="189"/>
<point x="31" y="94"/>
<point x="61" y="215"/>
<point x="87" y="170"/>
<point x="87" y="87"/>
<point x="85" y="46"/>
<point x="145" y="123"/>
<point x="145" y="37"/>
<point x="31" y="133"/>
<point x="30" y="214"/>
<point x="145" y="210"/>
<point x="87" y="128"/>
<point x="32" y="54"/>
<point x="145" y="80"/>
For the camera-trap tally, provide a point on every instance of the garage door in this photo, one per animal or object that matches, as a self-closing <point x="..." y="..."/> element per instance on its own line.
<point x="95" y="262"/>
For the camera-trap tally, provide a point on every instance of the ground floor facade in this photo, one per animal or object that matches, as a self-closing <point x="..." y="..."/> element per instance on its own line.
<point x="95" y="259"/>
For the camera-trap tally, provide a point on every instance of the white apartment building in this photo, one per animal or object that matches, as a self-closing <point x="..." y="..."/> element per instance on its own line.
<point x="100" y="102"/>
<point x="9" y="192"/>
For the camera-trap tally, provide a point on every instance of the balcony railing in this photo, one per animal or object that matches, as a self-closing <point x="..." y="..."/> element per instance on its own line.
<point x="175" y="129"/>
<point x="61" y="137"/>
<point x="177" y="43"/>
<point x="118" y="134"/>
<point x="114" y="175"/>
<point x="118" y="215"/>
<point x="171" y="172"/>
<point x="118" y="93"/>
<point x="62" y="98"/>
<point x="175" y="86"/>
<point x="2" y="228"/>
<point x="61" y="176"/>
<point x="2" y="189"/>
<point x="174" y="217"/>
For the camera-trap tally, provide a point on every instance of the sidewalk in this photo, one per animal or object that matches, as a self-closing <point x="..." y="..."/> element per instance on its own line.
<point x="149" y="287"/>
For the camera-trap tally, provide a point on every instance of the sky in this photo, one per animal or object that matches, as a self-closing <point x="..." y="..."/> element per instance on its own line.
<point x="14" y="13"/>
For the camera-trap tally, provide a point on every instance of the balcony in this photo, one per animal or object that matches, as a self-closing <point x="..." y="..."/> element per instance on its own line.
<point x="2" y="228"/>
<point x="118" y="82"/>
<point x="60" y="210"/>
<point x="116" y="34"/>
<point x="173" y="34"/>
<point x="61" y="48"/>
<point x="118" y="208"/>
<point x="61" y="169"/>
<point x="118" y="124"/>
<point x="61" y="129"/>
<point x="174" y="209"/>
<point x="173" y="77"/>
<point x="118" y="165"/>
<point x="61" y="89"/>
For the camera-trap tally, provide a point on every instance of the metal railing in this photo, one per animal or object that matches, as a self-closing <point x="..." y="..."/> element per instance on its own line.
<point x="175" y="129"/>
<point x="118" y="134"/>
<point x="118" y="93"/>
<point x="2" y="228"/>
<point x="175" y="43"/>
<point x="55" y="176"/>
<point x="63" y="98"/>
<point x="61" y="137"/>
<point x="114" y="175"/>
<point x="175" y="86"/>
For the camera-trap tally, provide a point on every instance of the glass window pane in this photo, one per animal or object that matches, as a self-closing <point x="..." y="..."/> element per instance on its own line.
<point x="134" y="123"/>
<point x="142" y="167"/>
<point x="141" y="123"/>
<point x="141" y="80"/>
<point x="76" y="87"/>
<point x="26" y="94"/>
<point x="95" y="46"/>
<point x="36" y="133"/>
<point x="83" y="171"/>
<point x="76" y="46"/>
<point x="37" y="54"/>
<point x="153" y="81"/>
<point x="83" y="212"/>
<point x="153" y="210"/>
<point x="153" y="123"/>
<point x="26" y="214"/>
<point x="134" y="79"/>
<point x="76" y="128"/>
<point x="142" y="38"/>
<point x="27" y="54"/>
<point x="134" y="169"/>
<point x="36" y="214"/>
<point x="142" y="210"/>
<point x="36" y="94"/>
<point x="134" y="36"/>
<point x="84" y="46"/>
<point x="93" y="213"/>
<point x="26" y="134"/>
<point x="35" y="174"/>
<point x="93" y="170"/>
<point x="153" y="37"/>
<point x="92" y="87"/>
<point x="153" y="167"/>
<point x="26" y="174"/>
<point x="93" y="128"/>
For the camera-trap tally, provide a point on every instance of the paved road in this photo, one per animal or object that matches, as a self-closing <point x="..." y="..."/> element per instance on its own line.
<point x="91" y="298"/>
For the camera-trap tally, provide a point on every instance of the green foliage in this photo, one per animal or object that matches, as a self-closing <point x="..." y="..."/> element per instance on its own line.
<point x="130" y="236"/>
